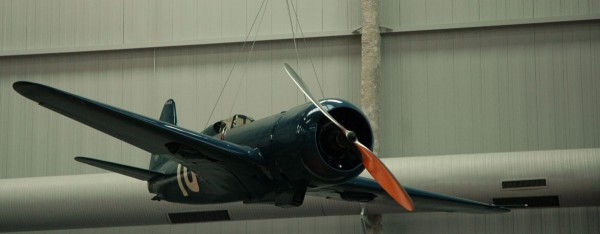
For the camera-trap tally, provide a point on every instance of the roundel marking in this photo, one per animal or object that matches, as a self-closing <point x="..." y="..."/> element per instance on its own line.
<point x="191" y="184"/>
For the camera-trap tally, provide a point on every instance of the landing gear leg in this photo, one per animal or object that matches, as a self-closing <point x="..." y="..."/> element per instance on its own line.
<point x="371" y="223"/>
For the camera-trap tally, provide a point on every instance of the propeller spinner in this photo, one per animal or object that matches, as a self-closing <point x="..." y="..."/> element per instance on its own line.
<point x="374" y="166"/>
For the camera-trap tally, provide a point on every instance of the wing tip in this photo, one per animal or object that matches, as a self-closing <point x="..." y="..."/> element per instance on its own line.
<point x="85" y="160"/>
<point x="501" y="209"/>
<point x="21" y="86"/>
<point x="493" y="208"/>
<point x="29" y="89"/>
<point x="80" y="159"/>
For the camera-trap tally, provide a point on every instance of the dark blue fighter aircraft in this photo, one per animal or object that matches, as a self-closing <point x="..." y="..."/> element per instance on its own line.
<point x="315" y="149"/>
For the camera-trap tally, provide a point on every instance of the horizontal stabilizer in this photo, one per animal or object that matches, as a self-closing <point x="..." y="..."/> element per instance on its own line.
<point x="138" y="173"/>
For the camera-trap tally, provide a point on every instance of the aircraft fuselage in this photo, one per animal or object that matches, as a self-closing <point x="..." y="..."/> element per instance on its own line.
<point x="285" y="141"/>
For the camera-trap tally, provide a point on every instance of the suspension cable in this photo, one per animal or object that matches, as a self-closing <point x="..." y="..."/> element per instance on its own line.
<point x="287" y="3"/>
<point x="306" y="47"/>
<point x="248" y="57"/>
<point x="263" y="7"/>
<point x="235" y="63"/>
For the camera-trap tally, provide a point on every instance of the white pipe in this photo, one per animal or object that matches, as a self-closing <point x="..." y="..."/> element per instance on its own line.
<point x="95" y="200"/>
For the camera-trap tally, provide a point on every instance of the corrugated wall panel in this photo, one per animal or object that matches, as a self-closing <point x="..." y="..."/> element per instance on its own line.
<point x="38" y="25"/>
<point x="35" y="24"/>
<point x="436" y="12"/>
<point x="15" y="25"/>
<point x="491" y="90"/>
<point x="549" y="220"/>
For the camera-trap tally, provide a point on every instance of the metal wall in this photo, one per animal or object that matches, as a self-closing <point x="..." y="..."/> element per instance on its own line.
<point x="411" y="13"/>
<point x="491" y="90"/>
<point x="41" y="25"/>
<point x="532" y="87"/>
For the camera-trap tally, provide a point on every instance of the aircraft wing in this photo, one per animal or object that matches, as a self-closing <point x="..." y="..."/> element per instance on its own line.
<point x="368" y="191"/>
<point x="151" y="135"/>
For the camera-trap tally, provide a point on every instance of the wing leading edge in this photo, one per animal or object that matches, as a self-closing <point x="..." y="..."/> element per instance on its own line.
<point x="154" y="136"/>
<point x="369" y="191"/>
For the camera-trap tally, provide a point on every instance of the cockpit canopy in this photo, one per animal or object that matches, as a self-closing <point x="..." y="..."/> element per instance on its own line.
<point x="222" y="126"/>
<point x="235" y="121"/>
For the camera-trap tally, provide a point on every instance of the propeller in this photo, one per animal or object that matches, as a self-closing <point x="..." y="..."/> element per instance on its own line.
<point x="374" y="166"/>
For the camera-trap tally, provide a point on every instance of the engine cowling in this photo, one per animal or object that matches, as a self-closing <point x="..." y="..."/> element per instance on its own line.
<point x="303" y="147"/>
<point x="319" y="151"/>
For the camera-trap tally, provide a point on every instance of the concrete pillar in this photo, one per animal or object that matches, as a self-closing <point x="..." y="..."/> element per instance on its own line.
<point x="369" y="85"/>
<point x="371" y="223"/>
<point x="370" y="62"/>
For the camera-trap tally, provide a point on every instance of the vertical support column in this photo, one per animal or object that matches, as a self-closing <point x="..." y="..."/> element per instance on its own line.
<point x="371" y="223"/>
<point x="370" y="62"/>
<point x="369" y="85"/>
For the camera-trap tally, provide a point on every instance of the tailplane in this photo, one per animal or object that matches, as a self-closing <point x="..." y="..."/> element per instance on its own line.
<point x="157" y="161"/>
<point x="138" y="173"/>
<point x="169" y="115"/>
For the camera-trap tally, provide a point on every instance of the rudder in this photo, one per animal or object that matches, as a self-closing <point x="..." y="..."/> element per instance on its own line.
<point x="169" y="113"/>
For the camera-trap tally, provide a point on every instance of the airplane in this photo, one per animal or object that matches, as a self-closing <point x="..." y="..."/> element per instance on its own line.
<point x="316" y="149"/>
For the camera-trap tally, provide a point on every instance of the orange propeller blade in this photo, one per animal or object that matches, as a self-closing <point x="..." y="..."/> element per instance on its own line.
<point x="384" y="177"/>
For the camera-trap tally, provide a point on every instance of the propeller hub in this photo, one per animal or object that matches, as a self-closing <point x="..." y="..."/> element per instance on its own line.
<point x="351" y="136"/>
<point x="335" y="148"/>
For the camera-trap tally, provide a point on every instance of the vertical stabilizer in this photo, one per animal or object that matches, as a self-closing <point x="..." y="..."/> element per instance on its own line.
<point x="169" y="115"/>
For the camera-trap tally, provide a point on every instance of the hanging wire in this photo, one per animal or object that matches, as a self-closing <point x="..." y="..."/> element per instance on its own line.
<point x="235" y="63"/>
<point x="263" y="7"/>
<point x="306" y="47"/>
<point x="248" y="56"/>
<point x="287" y="2"/>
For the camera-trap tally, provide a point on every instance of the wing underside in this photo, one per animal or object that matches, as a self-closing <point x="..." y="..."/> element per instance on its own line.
<point x="212" y="159"/>
<point x="366" y="190"/>
<point x="154" y="136"/>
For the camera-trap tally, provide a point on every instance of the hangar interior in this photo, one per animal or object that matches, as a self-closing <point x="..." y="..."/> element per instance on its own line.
<point x="460" y="76"/>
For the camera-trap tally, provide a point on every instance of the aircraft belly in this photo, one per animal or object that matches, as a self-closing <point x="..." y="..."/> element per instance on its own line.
<point x="206" y="183"/>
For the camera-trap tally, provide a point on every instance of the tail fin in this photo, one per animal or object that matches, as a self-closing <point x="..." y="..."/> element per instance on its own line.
<point x="169" y="115"/>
